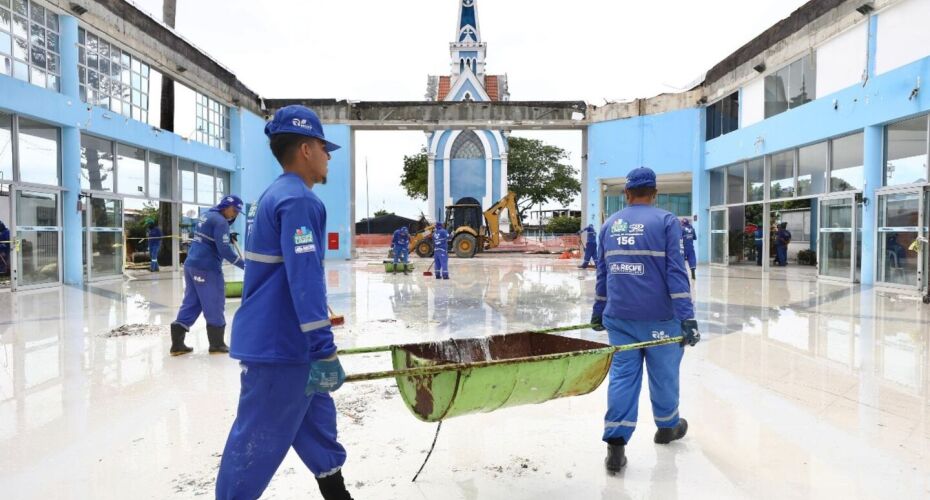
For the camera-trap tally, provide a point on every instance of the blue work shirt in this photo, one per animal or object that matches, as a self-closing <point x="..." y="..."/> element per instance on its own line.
<point x="400" y="239"/>
<point x="283" y="317"/>
<point x="688" y="236"/>
<point x="154" y="237"/>
<point x="590" y="236"/>
<point x="758" y="236"/>
<point x="441" y="240"/>
<point x="211" y="244"/>
<point x="640" y="267"/>
<point x="4" y="238"/>
<point x="782" y="237"/>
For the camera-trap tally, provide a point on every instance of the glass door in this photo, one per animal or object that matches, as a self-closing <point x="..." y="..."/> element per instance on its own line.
<point x="898" y="233"/>
<point x="37" y="238"/>
<point x="837" y="237"/>
<point x="103" y="237"/>
<point x="6" y="236"/>
<point x="719" y="253"/>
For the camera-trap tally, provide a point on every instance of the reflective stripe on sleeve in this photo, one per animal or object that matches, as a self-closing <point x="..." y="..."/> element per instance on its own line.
<point x="599" y="298"/>
<point x="198" y="233"/>
<point x="647" y="253"/>
<point x="683" y="295"/>
<point x="266" y="259"/>
<point x="314" y="325"/>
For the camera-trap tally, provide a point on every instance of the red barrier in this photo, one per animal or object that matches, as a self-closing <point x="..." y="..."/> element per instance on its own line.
<point x="372" y="240"/>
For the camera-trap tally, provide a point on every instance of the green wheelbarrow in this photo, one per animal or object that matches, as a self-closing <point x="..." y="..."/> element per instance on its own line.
<point x="391" y="267"/>
<point x="456" y="377"/>
<point x="233" y="289"/>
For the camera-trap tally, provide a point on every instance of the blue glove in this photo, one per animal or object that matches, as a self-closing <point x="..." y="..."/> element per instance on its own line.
<point x="689" y="330"/>
<point x="326" y="375"/>
<point x="598" y="321"/>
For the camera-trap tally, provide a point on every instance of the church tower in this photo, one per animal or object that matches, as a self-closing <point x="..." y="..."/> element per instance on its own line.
<point x="466" y="163"/>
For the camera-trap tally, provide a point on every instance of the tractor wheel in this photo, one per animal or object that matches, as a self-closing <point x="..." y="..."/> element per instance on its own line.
<point x="465" y="246"/>
<point x="425" y="249"/>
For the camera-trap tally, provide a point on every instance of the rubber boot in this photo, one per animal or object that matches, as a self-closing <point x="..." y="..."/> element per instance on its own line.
<point x="405" y="268"/>
<point x="692" y="274"/>
<point x="616" y="457"/>
<point x="666" y="435"/>
<point x="215" y="336"/>
<point x="333" y="487"/>
<point x="177" y="340"/>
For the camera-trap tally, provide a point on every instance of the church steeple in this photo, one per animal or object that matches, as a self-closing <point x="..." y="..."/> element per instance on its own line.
<point x="468" y="51"/>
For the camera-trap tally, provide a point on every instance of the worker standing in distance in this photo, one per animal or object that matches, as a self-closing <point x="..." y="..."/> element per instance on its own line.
<point x="4" y="249"/>
<point x="688" y="237"/>
<point x="758" y="238"/>
<point x="204" y="285"/>
<point x="400" y="243"/>
<point x="281" y="333"/>
<point x="642" y="294"/>
<point x="441" y="251"/>
<point x="590" y="246"/>
<point x="782" y="239"/>
<point x="154" y="240"/>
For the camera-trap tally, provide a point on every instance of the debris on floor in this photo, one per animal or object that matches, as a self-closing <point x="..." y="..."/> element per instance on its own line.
<point x="136" y="329"/>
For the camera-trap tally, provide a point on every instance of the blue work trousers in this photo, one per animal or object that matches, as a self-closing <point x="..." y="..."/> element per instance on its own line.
<point x="204" y="291"/>
<point x="626" y="375"/>
<point x="441" y="263"/>
<point x="401" y="254"/>
<point x="153" y="256"/>
<point x="590" y="254"/>
<point x="274" y="415"/>
<point x="758" y="253"/>
<point x="781" y="255"/>
<point x="691" y="257"/>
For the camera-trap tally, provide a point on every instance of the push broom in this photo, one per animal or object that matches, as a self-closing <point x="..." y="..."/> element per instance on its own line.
<point x="429" y="272"/>
<point x="335" y="319"/>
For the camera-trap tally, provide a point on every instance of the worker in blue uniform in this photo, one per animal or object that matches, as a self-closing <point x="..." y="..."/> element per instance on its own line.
<point x="4" y="249"/>
<point x="642" y="294"/>
<point x="204" y="286"/>
<point x="782" y="239"/>
<point x="688" y="237"/>
<point x="281" y="333"/>
<point x="758" y="238"/>
<point x="590" y="246"/>
<point x="441" y="251"/>
<point x="154" y="235"/>
<point x="400" y="243"/>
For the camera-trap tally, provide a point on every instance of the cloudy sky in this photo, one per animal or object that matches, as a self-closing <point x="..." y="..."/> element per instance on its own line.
<point x="592" y="50"/>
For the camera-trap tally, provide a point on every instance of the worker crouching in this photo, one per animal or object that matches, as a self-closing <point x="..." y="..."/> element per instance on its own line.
<point x="400" y="243"/>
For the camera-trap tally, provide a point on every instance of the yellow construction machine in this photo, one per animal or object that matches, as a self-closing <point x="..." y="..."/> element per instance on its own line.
<point x="469" y="233"/>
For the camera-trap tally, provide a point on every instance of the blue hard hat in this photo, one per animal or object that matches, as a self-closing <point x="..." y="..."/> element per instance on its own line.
<point x="230" y="200"/>
<point x="640" y="177"/>
<point x="403" y="229"/>
<point x="297" y="119"/>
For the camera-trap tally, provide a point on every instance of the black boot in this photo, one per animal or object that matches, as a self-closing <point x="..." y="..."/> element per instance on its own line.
<point x="616" y="457"/>
<point x="177" y="340"/>
<point x="405" y="269"/>
<point x="666" y="435"/>
<point x="333" y="487"/>
<point x="215" y="336"/>
<point x="692" y="275"/>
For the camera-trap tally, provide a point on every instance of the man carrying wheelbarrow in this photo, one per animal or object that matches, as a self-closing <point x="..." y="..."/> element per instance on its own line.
<point x="281" y="333"/>
<point x="400" y="243"/>
<point x="642" y="294"/>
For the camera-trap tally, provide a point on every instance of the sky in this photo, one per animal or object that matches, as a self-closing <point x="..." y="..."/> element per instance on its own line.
<point x="591" y="50"/>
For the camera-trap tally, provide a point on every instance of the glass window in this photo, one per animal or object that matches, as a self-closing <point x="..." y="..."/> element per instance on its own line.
<point x="38" y="152"/>
<point x="846" y="168"/>
<point x="755" y="180"/>
<point x="186" y="170"/>
<point x="6" y="147"/>
<point x="130" y="170"/>
<point x="205" y="189"/>
<point x="723" y="116"/>
<point x="906" y="152"/>
<point x="781" y="176"/>
<point x="812" y="169"/>
<point x="717" y="187"/>
<point x="212" y="122"/>
<point x="222" y="184"/>
<point x="96" y="164"/>
<point x="160" y="167"/>
<point x="34" y="46"/>
<point x="735" y="189"/>
<point x="108" y="79"/>
<point x="790" y="86"/>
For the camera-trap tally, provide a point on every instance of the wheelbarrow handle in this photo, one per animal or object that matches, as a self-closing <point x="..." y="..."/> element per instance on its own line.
<point x="434" y="369"/>
<point x="385" y="348"/>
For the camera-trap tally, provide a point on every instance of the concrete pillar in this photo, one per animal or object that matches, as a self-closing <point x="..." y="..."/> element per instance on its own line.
<point x="72" y="242"/>
<point x="872" y="171"/>
<point x="235" y="177"/>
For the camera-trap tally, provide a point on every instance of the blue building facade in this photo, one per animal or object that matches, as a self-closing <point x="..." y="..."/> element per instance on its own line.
<point x="466" y="163"/>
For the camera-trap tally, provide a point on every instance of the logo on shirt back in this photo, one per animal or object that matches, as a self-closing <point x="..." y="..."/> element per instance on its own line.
<point x="634" y="268"/>
<point x="619" y="226"/>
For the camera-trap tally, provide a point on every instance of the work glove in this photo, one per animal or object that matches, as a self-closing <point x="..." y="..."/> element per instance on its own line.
<point x="326" y="375"/>
<point x="689" y="330"/>
<point x="598" y="321"/>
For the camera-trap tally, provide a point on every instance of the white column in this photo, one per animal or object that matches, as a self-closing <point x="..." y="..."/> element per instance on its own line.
<point x="505" y="223"/>
<point x="431" y="185"/>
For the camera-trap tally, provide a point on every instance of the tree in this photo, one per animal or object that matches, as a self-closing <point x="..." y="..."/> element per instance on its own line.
<point x="415" y="179"/>
<point x="535" y="173"/>
<point x="564" y="225"/>
<point x="383" y="212"/>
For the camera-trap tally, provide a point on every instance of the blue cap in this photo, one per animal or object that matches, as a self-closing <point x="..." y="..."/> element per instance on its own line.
<point x="230" y="200"/>
<point x="297" y="119"/>
<point x="640" y="177"/>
